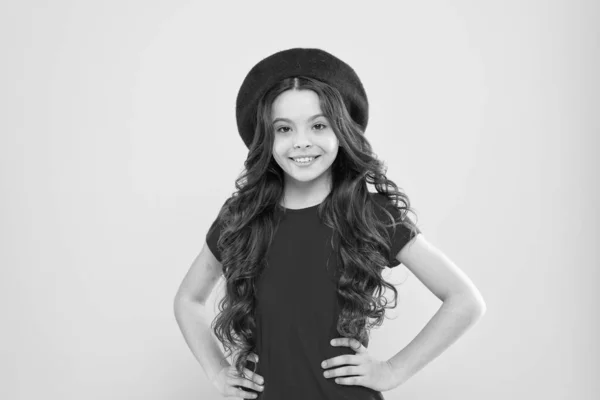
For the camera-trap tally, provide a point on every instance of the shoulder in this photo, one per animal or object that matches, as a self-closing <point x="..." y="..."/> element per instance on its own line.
<point x="225" y="209"/>
<point x="382" y="200"/>
<point x="383" y="204"/>
<point x="379" y="199"/>
<point x="218" y="223"/>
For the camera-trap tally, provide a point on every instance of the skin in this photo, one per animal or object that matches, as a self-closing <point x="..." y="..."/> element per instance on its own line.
<point x="300" y="134"/>
<point x="462" y="305"/>
<point x="297" y="132"/>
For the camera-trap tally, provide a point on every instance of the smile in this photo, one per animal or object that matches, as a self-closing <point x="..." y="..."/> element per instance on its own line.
<point x="304" y="161"/>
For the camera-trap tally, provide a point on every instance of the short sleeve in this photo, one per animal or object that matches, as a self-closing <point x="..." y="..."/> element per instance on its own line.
<point x="403" y="234"/>
<point x="212" y="237"/>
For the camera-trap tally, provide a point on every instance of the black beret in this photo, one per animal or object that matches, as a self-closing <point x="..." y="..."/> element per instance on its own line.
<point x="311" y="62"/>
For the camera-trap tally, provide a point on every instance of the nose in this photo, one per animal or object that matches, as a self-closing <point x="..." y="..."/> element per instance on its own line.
<point x="301" y="138"/>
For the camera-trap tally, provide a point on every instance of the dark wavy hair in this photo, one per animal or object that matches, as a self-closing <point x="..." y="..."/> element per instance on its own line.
<point x="361" y="239"/>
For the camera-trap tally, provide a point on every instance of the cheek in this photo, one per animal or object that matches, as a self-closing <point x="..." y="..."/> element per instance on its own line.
<point x="279" y="155"/>
<point x="277" y="150"/>
<point x="331" y="145"/>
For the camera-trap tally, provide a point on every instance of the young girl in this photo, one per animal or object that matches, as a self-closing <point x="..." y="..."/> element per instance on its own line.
<point x="302" y="244"/>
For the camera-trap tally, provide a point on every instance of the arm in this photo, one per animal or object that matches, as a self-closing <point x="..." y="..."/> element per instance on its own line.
<point x="462" y="307"/>
<point x="191" y="314"/>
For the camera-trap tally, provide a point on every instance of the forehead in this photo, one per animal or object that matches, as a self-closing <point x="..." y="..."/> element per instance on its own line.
<point x="296" y="104"/>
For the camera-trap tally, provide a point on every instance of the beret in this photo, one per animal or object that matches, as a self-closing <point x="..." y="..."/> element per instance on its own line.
<point x="311" y="62"/>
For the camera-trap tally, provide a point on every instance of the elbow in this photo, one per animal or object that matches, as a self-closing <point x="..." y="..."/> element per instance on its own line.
<point x="482" y="306"/>
<point x="472" y="302"/>
<point x="179" y="302"/>
<point x="479" y="309"/>
<point x="183" y="301"/>
<point x="176" y="305"/>
<point x="478" y="303"/>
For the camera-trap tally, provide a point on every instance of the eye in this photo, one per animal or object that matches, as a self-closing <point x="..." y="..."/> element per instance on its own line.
<point x="287" y="127"/>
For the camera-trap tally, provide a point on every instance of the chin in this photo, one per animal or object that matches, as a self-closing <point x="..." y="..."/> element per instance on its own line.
<point x="307" y="176"/>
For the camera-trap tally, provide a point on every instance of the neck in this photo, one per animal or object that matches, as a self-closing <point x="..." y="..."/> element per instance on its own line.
<point x="305" y="194"/>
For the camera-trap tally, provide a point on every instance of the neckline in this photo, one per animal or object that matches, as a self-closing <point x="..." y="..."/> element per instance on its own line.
<point x="298" y="210"/>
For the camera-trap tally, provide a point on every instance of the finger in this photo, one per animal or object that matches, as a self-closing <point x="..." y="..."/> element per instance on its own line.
<point x="356" y="345"/>
<point x="352" y="359"/>
<point x="232" y="372"/>
<point x="236" y="393"/>
<point x="254" y="382"/>
<point x="240" y="391"/>
<point x="252" y="361"/>
<point x="254" y="376"/>
<point x="244" y="383"/>
<point x="349" y="380"/>
<point x="343" y="371"/>
<point x="349" y="342"/>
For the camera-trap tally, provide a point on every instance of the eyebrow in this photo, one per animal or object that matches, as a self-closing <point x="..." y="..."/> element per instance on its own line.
<point x="288" y="120"/>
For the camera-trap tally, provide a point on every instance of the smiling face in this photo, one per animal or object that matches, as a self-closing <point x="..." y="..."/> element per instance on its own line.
<point x="300" y="129"/>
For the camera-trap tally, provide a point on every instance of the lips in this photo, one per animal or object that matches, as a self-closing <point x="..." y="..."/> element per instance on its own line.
<point x="291" y="158"/>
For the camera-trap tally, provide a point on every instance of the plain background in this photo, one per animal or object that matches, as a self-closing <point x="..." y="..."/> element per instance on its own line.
<point x="119" y="144"/>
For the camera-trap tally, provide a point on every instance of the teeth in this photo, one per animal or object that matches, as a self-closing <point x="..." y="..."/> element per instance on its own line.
<point x="303" y="159"/>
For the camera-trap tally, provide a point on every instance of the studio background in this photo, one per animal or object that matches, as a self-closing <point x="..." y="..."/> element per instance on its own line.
<point x="118" y="145"/>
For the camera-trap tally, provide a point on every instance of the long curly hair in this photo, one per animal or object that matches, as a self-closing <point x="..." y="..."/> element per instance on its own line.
<point x="362" y="240"/>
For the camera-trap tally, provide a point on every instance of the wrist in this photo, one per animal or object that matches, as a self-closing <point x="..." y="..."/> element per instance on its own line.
<point x="398" y="372"/>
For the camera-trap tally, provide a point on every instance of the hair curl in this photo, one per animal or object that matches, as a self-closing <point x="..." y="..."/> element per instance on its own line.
<point x="362" y="240"/>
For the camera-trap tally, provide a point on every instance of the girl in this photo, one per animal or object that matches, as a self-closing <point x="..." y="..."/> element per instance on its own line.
<point x="302" y="244"/>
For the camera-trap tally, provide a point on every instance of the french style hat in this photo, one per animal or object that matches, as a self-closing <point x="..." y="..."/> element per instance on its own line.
<point x="311" y="62"/>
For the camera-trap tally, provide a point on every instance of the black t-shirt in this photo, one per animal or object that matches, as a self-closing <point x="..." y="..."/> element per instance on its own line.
<point x="297" y="307"/>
